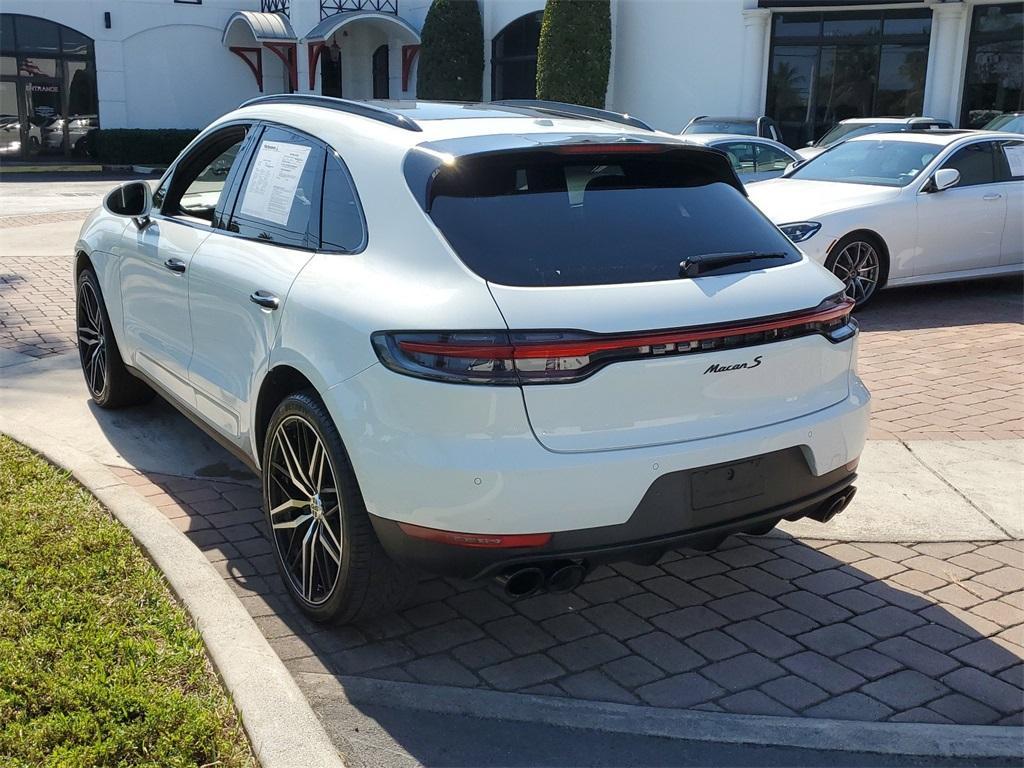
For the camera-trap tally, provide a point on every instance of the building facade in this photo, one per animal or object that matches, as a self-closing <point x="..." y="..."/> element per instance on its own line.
<point x="69" y="65"/>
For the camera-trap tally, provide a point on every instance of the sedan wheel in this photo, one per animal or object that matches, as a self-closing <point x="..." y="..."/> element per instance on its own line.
<point x="305" y="510"/>
<point x="859" y="267"/>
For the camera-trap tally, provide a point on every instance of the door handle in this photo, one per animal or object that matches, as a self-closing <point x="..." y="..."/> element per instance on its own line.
<point x="265" y="299"/>
<point x="175" y="265"/>
<point x="994" y="196"/>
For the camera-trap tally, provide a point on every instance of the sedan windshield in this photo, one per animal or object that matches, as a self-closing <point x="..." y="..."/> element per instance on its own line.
<point x="849" y="130"/>
<point x="881" y="163"/>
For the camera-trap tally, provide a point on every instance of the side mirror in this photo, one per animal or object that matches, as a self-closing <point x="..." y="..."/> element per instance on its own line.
<point x="792" y="167"/>
<point x="944" y="178"/>
<point x="809" y="144"/>
<point x="133" y="199"/>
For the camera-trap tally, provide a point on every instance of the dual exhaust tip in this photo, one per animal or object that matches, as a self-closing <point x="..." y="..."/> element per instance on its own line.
<point x="557" y="577"/>
<point x="566" y="575"/>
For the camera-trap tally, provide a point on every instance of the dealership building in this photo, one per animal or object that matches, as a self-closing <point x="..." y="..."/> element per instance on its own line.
<point x="68" y="65"/>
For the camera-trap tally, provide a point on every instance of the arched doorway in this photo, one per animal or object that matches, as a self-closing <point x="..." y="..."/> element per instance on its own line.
<point x="514" y="59"/>
<point x="381" y="81"/>
<point x="48" y="101"/>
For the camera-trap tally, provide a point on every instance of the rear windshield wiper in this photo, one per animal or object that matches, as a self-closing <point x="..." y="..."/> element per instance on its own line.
<point x="692" y="266"/>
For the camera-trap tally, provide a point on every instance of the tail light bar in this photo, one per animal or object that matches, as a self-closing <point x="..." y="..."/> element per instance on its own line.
<point x="515" y="358"/>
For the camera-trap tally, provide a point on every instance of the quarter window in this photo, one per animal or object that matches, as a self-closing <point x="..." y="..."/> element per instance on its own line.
<point x="976" y="163"/>
<point x="280" y="190"/>
<point x="341" y="225"/>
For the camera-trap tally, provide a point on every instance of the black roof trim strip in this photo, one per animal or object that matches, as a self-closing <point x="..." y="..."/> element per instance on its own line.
<point x="558" y="107"/>
<point x="380" y="114"/>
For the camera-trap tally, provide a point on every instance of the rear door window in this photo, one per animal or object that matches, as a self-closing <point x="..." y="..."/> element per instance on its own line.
<point x="548" y="219"/>
<point x="278" y="201"/>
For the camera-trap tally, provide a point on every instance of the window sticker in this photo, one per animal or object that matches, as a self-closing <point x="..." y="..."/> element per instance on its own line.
<point x="1015" y="157"/>
<point x="274" y="179"/>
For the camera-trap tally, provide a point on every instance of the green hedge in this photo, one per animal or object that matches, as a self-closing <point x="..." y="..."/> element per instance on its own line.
<point x="138" y="146"/>
<point x="575" y="52"/>
<point x="452" y="52"/>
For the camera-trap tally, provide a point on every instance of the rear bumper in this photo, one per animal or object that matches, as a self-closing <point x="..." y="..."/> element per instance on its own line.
<point x="465" y="459"/>
<point x="665" y="518"/>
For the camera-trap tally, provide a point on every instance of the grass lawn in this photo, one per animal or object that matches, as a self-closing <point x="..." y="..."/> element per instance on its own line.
<point x="98" y="665"/>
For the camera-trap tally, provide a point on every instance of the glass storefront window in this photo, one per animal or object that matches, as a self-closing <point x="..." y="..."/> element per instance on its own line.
<point x="37" y="35"/>
<point x="995" y="64"/>
<point x="48" y="87"/>
<point x="826" y="67"/>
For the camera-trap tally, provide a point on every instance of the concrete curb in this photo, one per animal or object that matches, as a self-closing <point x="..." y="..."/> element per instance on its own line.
<point x="281" y="725"/>
<point x="921" y="739"/>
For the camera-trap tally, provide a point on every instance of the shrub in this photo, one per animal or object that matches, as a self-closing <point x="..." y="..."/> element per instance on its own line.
<point x="138" y="146"/>
<point x="575" y="52"/>
<point x="451" y="52"/>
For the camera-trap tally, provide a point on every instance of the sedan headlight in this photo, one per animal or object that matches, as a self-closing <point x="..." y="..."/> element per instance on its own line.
<point x="800" y="230"/>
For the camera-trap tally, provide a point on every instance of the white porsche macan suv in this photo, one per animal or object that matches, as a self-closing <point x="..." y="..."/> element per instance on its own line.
<point x="505" y="340"/>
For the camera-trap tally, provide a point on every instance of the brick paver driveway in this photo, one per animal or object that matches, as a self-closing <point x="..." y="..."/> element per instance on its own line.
<point x="772" y="625"/>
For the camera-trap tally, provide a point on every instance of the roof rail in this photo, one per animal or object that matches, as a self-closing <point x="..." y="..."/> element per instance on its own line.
<point x="558" y="107"/>
<point x="373" y="112"/>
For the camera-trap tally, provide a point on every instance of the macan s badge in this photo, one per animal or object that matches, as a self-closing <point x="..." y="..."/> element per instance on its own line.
<point x="716" y="368"/>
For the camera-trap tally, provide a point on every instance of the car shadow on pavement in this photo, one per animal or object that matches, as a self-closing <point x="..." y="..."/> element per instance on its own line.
<point x="770" y="625"/>
<point x="942" y="305"/>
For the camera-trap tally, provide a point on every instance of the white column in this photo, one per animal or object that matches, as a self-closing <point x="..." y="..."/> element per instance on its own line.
<point x="755" y="41"/>
<point x="395" y="68"/>
<point x="944" y="81"/>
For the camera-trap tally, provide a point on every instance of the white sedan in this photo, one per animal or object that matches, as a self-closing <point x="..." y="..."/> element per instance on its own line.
<point x="907" y="208"/>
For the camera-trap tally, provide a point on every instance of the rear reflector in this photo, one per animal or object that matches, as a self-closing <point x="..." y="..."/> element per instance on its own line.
<point x="476" y="540"/>
<point x="551" y="357"/>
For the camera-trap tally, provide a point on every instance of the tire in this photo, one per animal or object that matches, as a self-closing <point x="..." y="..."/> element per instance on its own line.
<point x="860" y="261"/>
<point x="327" y="553"/>
<point x="110" y="383"/>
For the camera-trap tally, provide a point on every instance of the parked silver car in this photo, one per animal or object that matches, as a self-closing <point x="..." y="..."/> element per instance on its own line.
<point x="753" y="158"/>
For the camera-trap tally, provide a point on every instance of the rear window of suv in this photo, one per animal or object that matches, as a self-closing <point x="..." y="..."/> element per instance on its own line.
<point x="544" y="219"/>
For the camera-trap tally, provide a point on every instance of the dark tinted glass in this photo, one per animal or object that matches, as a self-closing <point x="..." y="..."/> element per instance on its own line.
<point x="852" y="25"/>
<point x="37" y="35"/>
<point x="281" y="186"/>
<point x="6" y="33"/>
<point x="789" y="91"/>
<point x="901" y="79"/>
<point x="543" y="220"/>
<point x="797" y="25"/>
<point x="975" y="163"/>
<point x="342" y="225"/>
<point x="520" y="38"/>
<point x="907" y="23"/>
<point x="995" y="64"/>
<point x="73" y="42"/>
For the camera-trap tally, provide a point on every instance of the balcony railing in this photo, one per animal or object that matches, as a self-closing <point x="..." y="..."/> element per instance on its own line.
<point x="275" y="6"/>
<point x="331" y="7"/>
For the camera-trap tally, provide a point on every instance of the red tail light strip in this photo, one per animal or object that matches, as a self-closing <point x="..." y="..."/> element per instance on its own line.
<point x="583" y="348"/>
<point x="476" y="540"/>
